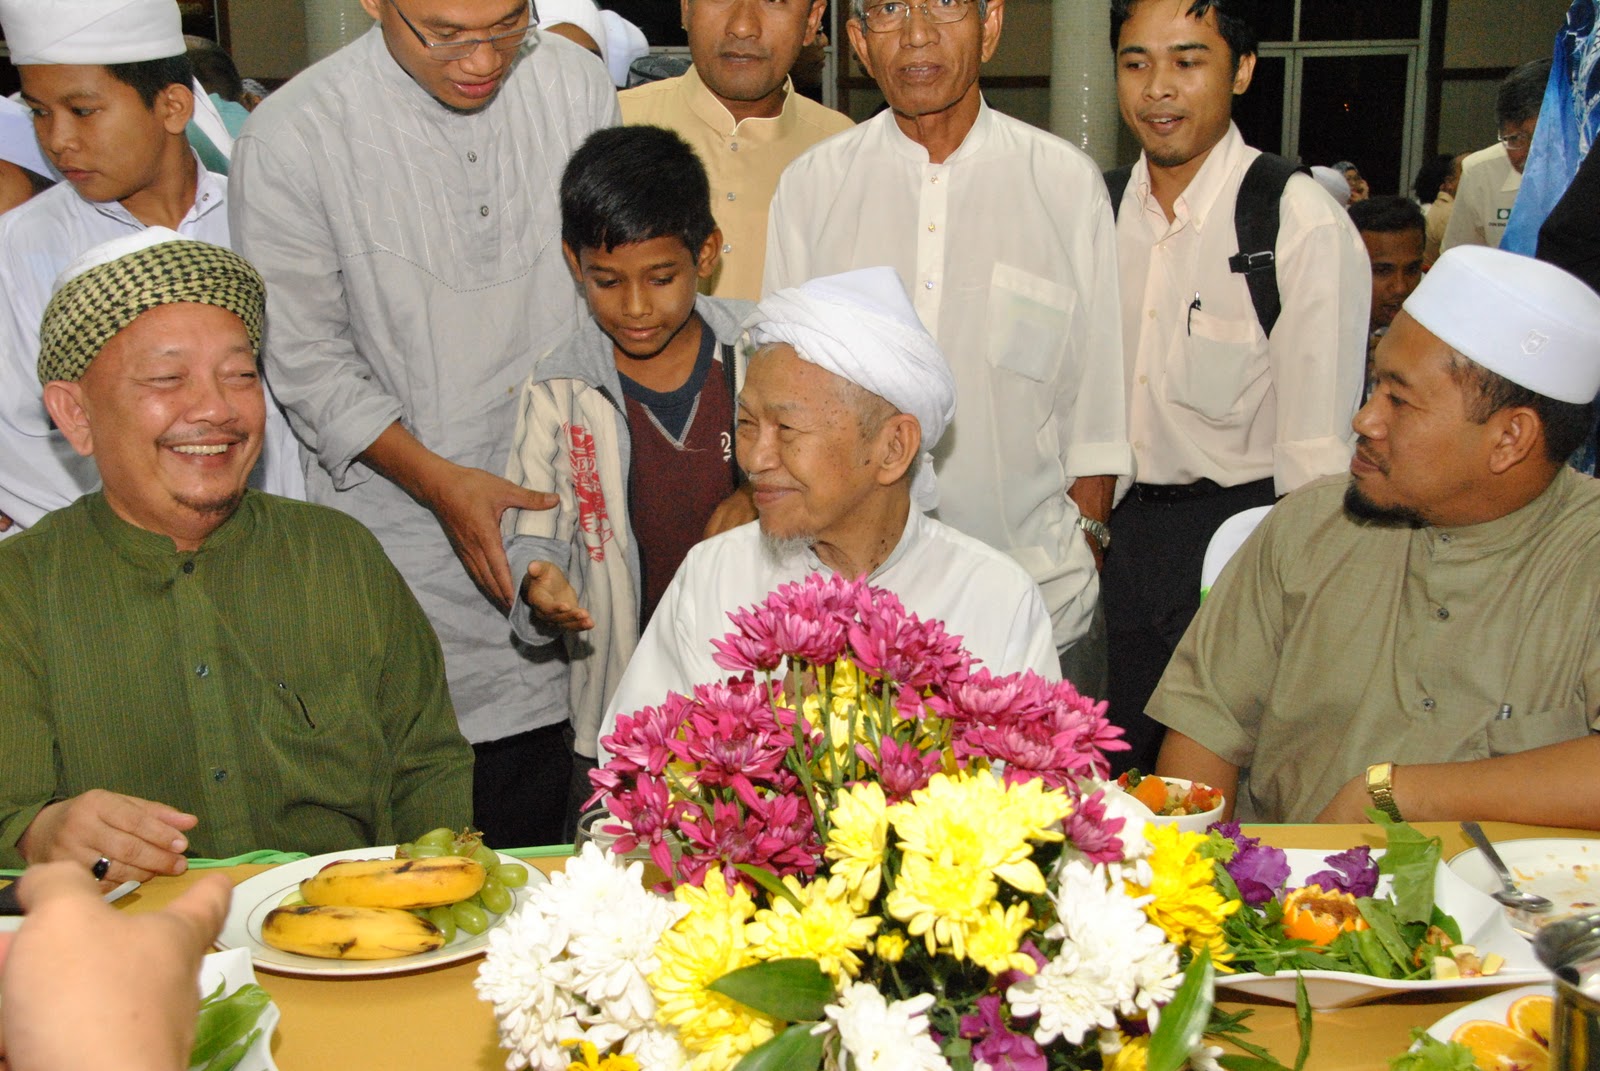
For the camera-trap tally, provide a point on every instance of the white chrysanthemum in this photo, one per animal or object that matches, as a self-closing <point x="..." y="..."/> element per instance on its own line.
<point x="879" y="1036"/>
<point x="1069" y="995"/>
<point x="1158" y="977"/>
<point x="1206" y="1058"/>
<point x="656" y="1049"/>
<point x="524" y="978"/>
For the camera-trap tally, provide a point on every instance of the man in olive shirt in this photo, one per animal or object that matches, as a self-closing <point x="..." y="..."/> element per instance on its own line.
<point x="1421" y="636"/>
<point x="189" y="666"/>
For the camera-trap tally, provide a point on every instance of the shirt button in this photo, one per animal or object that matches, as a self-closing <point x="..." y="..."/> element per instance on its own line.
<point x="1442" y="614"/>
<point x="1446" y="538"/>
<point x="733" y="146"/>
<point x="1150" y="313"/>
<point x="188" y="567"/>
<point x="202" y="670"/>
<point x="934" y="180"/>
<point x="727" y="247"/>
<point x="1144" y="379"/>
<point x="1427" y="704"/>
<point x="218" y="774"/>
<point x="732" y="196"/>
<point x="1138" y="446"/>
<point x="928" y="285"/>
<point x="931" y="228"/>
<point x="472" y="157"/>
<point x="483" y="210"/>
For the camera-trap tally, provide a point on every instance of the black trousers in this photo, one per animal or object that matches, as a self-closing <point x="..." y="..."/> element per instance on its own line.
<point x="1151" y="590"/>
<point x="520" y="786"/>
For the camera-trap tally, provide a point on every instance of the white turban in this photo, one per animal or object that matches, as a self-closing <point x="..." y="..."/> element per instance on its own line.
<point x="17" y="141"/>
<point x="105" y="32"/>
<point x="860" y="326"/>
<point x="1337" y="185"/>
<point x="580" y="13"/>
<point x="625" y="43"/>
<point x="1521" y="318"/>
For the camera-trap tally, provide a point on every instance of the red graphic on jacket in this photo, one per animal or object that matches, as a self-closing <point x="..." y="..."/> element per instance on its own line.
<point x="592" y="518"/>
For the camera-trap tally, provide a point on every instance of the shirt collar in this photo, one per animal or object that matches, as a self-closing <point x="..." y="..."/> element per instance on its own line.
<point x="1514" y="529"/>
<point x="148" y="549"/>
<point x="405" y="91"/>
<point x="910" y="535"/>
<point x="711" y="111"/>
<point x="970" y="145"/>
<point x="210" y="194"/>
<point x="1194" y="204"/>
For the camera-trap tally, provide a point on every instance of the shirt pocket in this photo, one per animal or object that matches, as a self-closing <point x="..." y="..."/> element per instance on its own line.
<point x="1222" y="360"/>
<point x="1524" y="732"/>
<point x="1031" y="322"/>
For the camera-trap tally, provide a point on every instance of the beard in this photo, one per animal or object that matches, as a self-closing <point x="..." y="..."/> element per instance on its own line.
<point x="212" y="505"/>
<point x="779" y="549"/>
<point x="1362" y="508"/>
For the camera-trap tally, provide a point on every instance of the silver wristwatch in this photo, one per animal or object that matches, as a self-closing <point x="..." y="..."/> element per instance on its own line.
<point x="1097" y="531"/>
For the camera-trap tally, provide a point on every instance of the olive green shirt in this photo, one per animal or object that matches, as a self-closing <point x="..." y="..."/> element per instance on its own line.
<point x="280" y="683"/>
<point x="1328" y="644"/>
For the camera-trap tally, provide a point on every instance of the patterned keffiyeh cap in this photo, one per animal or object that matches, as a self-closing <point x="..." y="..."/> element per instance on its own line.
<point x="107" y="288"/>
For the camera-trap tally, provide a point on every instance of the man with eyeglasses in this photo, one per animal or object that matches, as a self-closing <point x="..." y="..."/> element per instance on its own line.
<point x="1002" y="234"/>
<point x="1490" y="178"/>
<point x="400" y="200"/>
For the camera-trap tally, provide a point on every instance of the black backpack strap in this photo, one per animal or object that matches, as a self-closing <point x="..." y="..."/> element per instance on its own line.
<point x="1255" y="223"/>
<point x="1117" y="182"/>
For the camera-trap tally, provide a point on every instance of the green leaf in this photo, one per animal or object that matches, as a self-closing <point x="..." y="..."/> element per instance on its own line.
<point x="1250" y="1063"/>
<point x="796" y="1049"/>
<point x="1302" y="1020"/>
<point x="224" y="1020"/>
<point x="1183" y="1021"/>
<point x="1433" y="1055"/>
<point x="789" y="989"/>
<point x="1413" y="860"/>
<point x="1381" y="915"/>
<point x="770" y="882"/>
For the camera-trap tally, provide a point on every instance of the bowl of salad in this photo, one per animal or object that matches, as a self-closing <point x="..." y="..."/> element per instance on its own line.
<point x="1177" y="801"/>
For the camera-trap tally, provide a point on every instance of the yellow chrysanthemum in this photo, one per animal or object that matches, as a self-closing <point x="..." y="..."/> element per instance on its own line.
<point x="941" y="900"/>
<point x="701" y="947"/>
<point x="1186" y="905"/>
<point x="860" y="818"/>
<point x="890" y="946"/>
<point x="1133" y="1056"/>
<point x="590" y="1060"/>
<point x="848" y="700"/>
<point x="995" y="940"/>
<point x="824" y="928"/>
<point x="973" y="820"/>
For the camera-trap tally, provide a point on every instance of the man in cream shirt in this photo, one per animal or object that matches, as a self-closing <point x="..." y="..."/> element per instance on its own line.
<point x="1492" y="177"/>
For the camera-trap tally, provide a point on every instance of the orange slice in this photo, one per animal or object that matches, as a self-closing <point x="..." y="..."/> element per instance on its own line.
<point x="1497" y="1047"/>
<point x="1532" y="1017"/>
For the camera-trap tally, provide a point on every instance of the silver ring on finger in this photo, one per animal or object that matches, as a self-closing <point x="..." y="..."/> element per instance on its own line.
<point x="101" y="866"/>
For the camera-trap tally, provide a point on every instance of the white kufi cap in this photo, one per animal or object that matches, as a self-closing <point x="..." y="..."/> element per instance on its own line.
<point x="1526" y="320"/>
<point x="580" y="13"/>
<point x="861" y="326"/>
<point x="91" y="31"/>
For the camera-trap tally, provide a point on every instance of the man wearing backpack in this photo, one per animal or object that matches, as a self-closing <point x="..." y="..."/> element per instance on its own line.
<point x="1244" y="339"/>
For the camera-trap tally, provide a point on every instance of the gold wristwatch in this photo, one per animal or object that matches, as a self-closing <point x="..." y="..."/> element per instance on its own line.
<point x="1380" y="786"/>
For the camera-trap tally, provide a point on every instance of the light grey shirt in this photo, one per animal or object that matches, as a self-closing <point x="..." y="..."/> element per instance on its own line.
<point x="413" y="263"/>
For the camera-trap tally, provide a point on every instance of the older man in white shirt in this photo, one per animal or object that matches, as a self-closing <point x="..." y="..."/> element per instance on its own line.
<point x="1003" y="235"/>
<point x="845" y="396"/>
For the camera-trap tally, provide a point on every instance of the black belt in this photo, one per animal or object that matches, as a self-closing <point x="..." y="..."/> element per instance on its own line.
<point x="1161" y="494"/>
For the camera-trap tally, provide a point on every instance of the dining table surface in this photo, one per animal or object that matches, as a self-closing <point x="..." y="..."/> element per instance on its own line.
<point x="433" y="1019"/>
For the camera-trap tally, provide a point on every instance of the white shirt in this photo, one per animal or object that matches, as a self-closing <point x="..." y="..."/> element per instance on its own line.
<point x="938" y="574"/>
<point x="1484" y="199"/>
<point x="1210" y="397"/>
<point x="39" y="470"/>
<point x="1008" y="252"/>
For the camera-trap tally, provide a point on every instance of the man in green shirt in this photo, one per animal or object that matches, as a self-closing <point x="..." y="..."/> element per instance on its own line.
<point x="1421" y="636"/>
<point x="189" y="666"/>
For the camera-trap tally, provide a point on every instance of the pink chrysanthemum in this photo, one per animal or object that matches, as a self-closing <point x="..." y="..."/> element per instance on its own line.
<point x="1089" y="830"/>
<point x="777" y="835"/>
<point x="901" y="768"/>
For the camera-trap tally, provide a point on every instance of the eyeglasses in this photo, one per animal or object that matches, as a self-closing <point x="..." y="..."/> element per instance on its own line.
<point x="1515" y="142"/>
<point x="891" y="16"/>
<point x="450" y="51"/>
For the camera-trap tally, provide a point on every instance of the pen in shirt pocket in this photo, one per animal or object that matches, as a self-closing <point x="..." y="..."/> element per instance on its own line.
<point x="1194" y="307"/>
<point x="1504" y="713"/>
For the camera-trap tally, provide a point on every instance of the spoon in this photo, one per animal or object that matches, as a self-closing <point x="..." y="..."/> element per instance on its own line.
<point x="1510" y="896"/>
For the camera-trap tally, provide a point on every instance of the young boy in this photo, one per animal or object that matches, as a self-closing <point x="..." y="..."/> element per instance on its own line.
<point x="630" y="420"/>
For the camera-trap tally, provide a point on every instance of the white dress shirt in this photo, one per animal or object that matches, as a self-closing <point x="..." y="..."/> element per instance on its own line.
<point x="1210" y="397"/>
<point x="39" y="470"/>
<point x="1008" y="252"/>
<point x="937" y="573"/>
<point x="1484" y="199"/>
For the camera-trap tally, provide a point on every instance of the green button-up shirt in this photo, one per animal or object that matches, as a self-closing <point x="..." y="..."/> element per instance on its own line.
<point x="281" y="682"/>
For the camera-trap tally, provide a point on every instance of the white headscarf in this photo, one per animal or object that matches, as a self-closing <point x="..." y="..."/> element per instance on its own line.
<point x="625" y="43"/>
<point x="105" y="32"/>
<point x="861" y="326"/>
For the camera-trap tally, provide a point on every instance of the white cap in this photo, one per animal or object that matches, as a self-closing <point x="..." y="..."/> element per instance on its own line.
<point x="1526" y="320"/>
<point x="115" y="249"/>
<point x="18" y="144"/>
<point x="91" y="31"/>
<point x="1336" y="184"/>
<point x="625" y="43"/>
<point x="580" y="13"/>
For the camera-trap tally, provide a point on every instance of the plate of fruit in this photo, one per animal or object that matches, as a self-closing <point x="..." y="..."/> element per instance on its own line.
<point x="1508" y="1030"/>
<point x="1189" y="805"/>
<point x="372" y="911"/>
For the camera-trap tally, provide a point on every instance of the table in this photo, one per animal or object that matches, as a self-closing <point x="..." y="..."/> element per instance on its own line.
<point x="433" y="1018"/>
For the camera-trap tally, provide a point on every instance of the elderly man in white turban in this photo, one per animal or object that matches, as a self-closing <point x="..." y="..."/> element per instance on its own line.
<point x="1420" y="635"/>
<point x="845" y="396"/>
<point x="111" y="92"/>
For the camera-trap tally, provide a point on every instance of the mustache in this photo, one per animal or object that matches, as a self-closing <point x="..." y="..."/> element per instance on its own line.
<point x="1370" y="458"/>
<point x="231" y="434"/>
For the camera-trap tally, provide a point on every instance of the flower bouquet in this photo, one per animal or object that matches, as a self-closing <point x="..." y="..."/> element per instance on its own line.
<point x="877" y="855"/>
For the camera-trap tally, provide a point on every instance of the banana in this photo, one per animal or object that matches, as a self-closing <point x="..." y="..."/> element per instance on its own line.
<point x="401" y="883"/>
<point x="349" y="932"/>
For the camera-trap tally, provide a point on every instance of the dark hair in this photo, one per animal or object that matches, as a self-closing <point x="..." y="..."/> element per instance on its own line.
<point x="1235" y="21"/>
<point x="214" y="67"/>
<point x="631" y="184"/>
<point x="1431" y="175"/>
<point x="1522" y="92"/>
<point x="1566" y="424"/>
<point x="150" y="77"/>
<point x="1388" y="215"/>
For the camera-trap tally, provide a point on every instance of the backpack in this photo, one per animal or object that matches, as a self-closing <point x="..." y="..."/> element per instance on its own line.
<point x="1255" y="224"/>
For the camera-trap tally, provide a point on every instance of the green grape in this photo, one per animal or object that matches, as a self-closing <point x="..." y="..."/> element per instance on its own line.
<point x="403" y="851"/>
<point x="511" y="875"/>
<point x="496" y="897"/>
<point x="470" y="917"/>
<point x="485" y="856"/>
<point x="294" y="899"/>
<point x="424" y="851"/>
<point x="441" y="837"/>
<point x="445" y="920"/>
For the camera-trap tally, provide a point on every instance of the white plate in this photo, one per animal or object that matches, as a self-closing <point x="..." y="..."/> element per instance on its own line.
<point x="233" y="968"/>
<point x="1491" y="1008"/>
<point x="256" y="896"/>
<point x="1565" y="872"/>
<point x="1482" y="923"/>
<point x="1186" y="823"/>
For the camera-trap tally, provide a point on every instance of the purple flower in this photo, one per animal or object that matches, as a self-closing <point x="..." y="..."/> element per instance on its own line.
<point x="1259" y="871"/>
<point x="1353" y="872"/>
<point x="996" y="1045"/>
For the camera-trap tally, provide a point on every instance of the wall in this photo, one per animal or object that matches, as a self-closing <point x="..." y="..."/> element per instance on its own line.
<point x="1488" y="35"/>
<point x="268" y="37"/>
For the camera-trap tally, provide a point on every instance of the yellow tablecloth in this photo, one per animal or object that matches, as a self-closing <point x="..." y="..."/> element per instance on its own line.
<point x="433" y="1019"/>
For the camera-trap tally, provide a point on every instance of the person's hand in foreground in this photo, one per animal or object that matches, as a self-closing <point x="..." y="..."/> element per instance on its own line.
<point x="140" y="838"/>
<point x="84" y="985"/>
<point x="738" y="508"/>
<point x="549" y="594"/>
